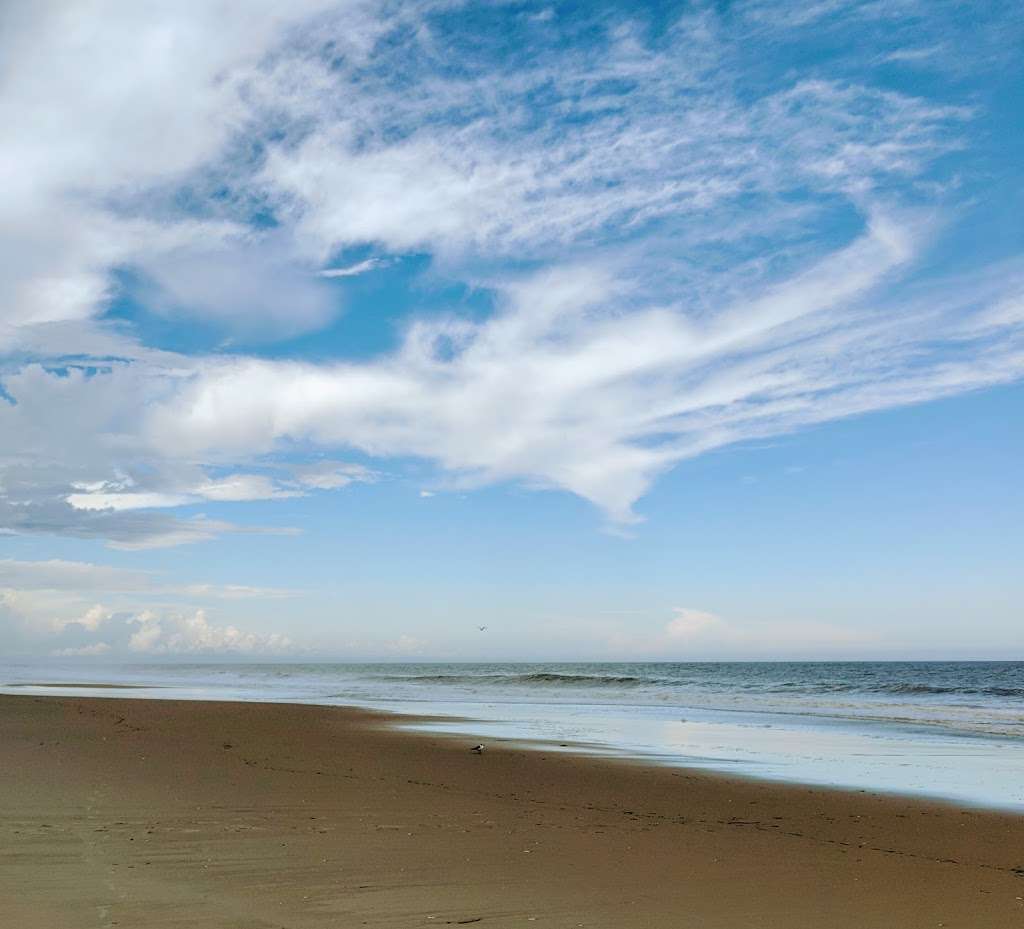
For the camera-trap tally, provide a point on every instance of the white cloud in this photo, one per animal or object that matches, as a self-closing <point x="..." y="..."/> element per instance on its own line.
<point x="915" y="56"/>
<point x="56" y="574"/>
<point x="97" y="648"/>
<point x="174" y="532"/>
<point x="142" y="97"/>
<point x="360" y="267"/>
<point x="405" y="645"/>
<point x="83" y="578"/>
<point x="252" y="289"/>
<point x="194" y="633"/>
<point x="228" y="591"/>
<point x="415" y="176"/>
<point x="231" y="488"/>
<point x="242" y="487"/>
<point x="703" y="282"/>
<point x="92" y="618"/>
<point x="125" y="501"/>
<point x="147" y="634"/>
<point x="560" y="390"/>
<point x="694" y="634"/>
<point x="332" y="475"/>
<point x="50" y="609"/>
<point x="689" y="622"/>
<point x="153" y="113"/>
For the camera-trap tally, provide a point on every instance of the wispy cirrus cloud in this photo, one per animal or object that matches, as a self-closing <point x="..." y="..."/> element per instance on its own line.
<point x="719" y="250"/>
<point x="126" y="530"/>
<point x="119" y="495"/>
<point x="360" y="140"/>
<point x="57" y="574"/>
<point x="360" y="267"/>
<point x="82" y="577"/>
<point x="559" y="389"/>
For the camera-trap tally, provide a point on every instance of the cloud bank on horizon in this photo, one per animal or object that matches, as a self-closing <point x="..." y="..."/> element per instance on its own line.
<point x="678" y="232"/>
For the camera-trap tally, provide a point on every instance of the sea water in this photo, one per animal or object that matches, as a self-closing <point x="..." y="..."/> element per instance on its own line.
<point x="951" y="730"/>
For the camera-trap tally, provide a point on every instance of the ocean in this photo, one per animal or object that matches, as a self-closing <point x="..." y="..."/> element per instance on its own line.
<point x="948" y="730"/>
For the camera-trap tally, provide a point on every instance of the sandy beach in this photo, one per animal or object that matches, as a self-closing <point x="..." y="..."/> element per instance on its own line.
<point x="139" y="813"/>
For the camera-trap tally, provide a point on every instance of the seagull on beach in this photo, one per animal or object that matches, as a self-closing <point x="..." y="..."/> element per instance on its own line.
<point x="477" y="749"/>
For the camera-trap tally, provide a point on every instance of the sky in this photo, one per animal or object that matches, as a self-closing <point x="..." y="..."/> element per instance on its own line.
<point x="627" y="331"/>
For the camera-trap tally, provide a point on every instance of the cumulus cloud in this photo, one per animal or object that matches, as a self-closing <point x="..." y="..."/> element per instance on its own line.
<point x="693" y="634"/>
<point x="688" y="622"/>
<point x="55" y="620"/>
<point x="49" y="607"/>
<point x="696" y="634"/>
<point x="405" y="645"/>
<point x="178" y="634"/>
<point x="91" y="619"/>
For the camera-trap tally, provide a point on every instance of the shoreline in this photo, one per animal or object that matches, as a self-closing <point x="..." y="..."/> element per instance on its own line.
<point x="904" y="759"/>
<point x="164" y="813"/>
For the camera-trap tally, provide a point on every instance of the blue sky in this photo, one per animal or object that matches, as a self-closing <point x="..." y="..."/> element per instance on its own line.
<point x="659" y="331"/>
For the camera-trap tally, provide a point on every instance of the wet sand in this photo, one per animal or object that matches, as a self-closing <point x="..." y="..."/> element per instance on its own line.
<point x="138" y="813"/>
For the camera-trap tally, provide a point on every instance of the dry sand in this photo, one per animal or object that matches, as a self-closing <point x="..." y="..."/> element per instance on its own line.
<point x="135" y="813"/>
